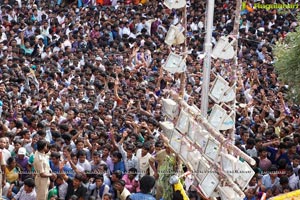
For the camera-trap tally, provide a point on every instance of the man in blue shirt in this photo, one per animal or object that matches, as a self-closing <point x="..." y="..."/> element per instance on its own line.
<point x="55" y="162"/>
<point x="278" y="154"/>
<point x="118" y="162"/>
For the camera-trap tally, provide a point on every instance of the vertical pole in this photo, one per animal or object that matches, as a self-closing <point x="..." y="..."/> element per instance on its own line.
<point x="184" y="49"/>
<point x="207" y="60"/>
<point x="235" y="33"/>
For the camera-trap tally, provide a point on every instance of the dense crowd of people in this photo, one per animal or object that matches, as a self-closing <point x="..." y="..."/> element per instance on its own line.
<point x="81" y="88"/>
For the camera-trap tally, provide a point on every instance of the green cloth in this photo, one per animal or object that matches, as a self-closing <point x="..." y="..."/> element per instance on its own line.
<point x="30" y="162"/>
<point x="166" y="170"/>
<point x="52" y="193"/>
<point x="26" y="50"/>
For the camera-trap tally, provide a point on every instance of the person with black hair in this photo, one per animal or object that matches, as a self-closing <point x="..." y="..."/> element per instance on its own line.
<point x="82" y="161"/>
<point x="55" y="163"/>
<point x="27" y="191"/>
<point x="98" y="188"/>
<point x="130" y="160"/>
<point x="292" y="177"/>
<point x="131" y="180"/>
<point x="144" y="157"/>
<point x="75" y="187"/>
<point x="61" y="186"/>
<point x="118" y="162"/>
<point x="146" y="185"/>
<point x="122" y="192"/>
<point x="42" y="167"/>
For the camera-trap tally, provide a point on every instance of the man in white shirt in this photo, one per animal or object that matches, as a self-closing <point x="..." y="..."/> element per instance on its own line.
<point x="5" y="153"/>
<point x="126" y="29"/>
<point x="250" y="147"/>
<point x="82" y="161"/>
<point x="144" y="157"/>
<point x="293" y="178"/>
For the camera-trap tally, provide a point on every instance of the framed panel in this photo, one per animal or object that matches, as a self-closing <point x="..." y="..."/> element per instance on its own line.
<point x="224" y="49"/>
<point x="229" y="95"/>
<point x="202" y="170"/>
<point x="212" y="149"/>
<point x="194" y="110"/>
<point x="185" y="148"/>
<point x="172" y="63"/>
<point x="170" y="108"/>
<point x="220" y="86"/>
<point x="175" y="4"/>
<point x="193" y="158"/>
<point x="209" y="184"/>
<point x="202" y="139"/>
<point x="167" y="128"/>
<point x="194" y="129"/>
<point x="228" y="122"/>
<point x="182" y="124"/>
<point x="228" y="163"/>
<point x="182" y="66"/>
<point x="170" y="37"/>
<point x="175" y="141"/>
<point x="217" y="116"/>
<point x="243" y="174"/>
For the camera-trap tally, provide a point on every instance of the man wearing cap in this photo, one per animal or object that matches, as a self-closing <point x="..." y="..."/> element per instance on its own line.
<point x="98" y="63"/>
<point x="22" y="161"/>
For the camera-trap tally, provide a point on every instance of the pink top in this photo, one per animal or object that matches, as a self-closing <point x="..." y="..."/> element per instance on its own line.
<point x="131" y="185"/>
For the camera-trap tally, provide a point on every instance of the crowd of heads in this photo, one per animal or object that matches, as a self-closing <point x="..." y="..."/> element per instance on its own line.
<point x="76" y="76"/>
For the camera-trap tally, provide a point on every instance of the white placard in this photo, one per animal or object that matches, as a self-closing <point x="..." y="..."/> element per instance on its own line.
<point x="193" y="158"/>
<point x="229" y="95"/>
<point x="175" y="141"/>
<point x="228" y="163"/>
<point x="195" y="110"/>
<point x="243" y="174"/>
<point x="202" y="139"/>
<point x="194" y="129"/>
<point x="170" y="37"/>
<point x="185" y="148"/>
<point x="174" y="63"/>
<point x="183" y="122"/>
<point x="212" y="149"/>
<point x="175" y="35"/>
<point x="174" y="4"/>
<point x="220" y="86"/>
<point x="228" y="122"/>
<point x="170" y="108"/>
<point x="209" y="184"/>
<point x="217" y="116"/>
<point x="167" y="128"/>
<point x="202" y="170"/>
<point x="224" y="49"/>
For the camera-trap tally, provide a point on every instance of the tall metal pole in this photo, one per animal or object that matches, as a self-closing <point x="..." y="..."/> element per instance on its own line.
<point x="207" y="60"/>
<point x="182" y="75"/>
<point x="235" y="33"/>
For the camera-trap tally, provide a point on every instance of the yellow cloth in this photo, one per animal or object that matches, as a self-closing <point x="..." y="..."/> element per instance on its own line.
<point x="12" y="175"/>
<point x="125" y="193"/>
<point x="144" y="2"/>
<point x="178" y="186"/>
